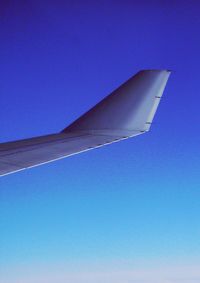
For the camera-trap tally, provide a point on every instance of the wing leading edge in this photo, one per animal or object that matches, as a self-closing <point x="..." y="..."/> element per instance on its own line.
<point x="126" y="112"/>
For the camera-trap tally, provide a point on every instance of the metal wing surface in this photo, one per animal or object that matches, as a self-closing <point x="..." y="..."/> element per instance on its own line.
<point x="126" y="112"/>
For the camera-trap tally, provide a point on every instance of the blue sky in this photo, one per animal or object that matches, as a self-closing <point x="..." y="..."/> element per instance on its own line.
<point x="123" y="211"/>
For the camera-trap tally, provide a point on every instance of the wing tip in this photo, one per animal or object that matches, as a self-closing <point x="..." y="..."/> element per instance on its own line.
<point x="156" y="70"/>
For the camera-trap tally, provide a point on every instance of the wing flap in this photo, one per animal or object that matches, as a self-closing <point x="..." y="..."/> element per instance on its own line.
<point x="43" y="150"/>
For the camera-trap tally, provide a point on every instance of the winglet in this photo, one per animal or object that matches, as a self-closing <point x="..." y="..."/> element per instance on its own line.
<point x="127" y="111"/>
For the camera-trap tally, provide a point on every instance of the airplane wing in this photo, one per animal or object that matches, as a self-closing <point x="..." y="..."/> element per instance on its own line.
<point x="126" y="112"/>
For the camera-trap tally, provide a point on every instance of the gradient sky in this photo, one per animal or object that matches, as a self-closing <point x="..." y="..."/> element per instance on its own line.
<point x="128" y="212"/>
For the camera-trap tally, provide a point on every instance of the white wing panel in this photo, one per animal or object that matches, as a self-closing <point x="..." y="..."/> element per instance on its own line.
<point x="17" y="156"/>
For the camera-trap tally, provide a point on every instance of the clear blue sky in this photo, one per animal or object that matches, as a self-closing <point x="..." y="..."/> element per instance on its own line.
<point x="128" y="212"/>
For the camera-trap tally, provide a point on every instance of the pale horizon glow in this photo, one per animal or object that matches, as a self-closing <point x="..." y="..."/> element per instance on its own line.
<point x="115" y="272"/>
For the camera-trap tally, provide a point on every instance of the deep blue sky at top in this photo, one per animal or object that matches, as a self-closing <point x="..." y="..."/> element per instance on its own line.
<point x="136" y="199"/>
